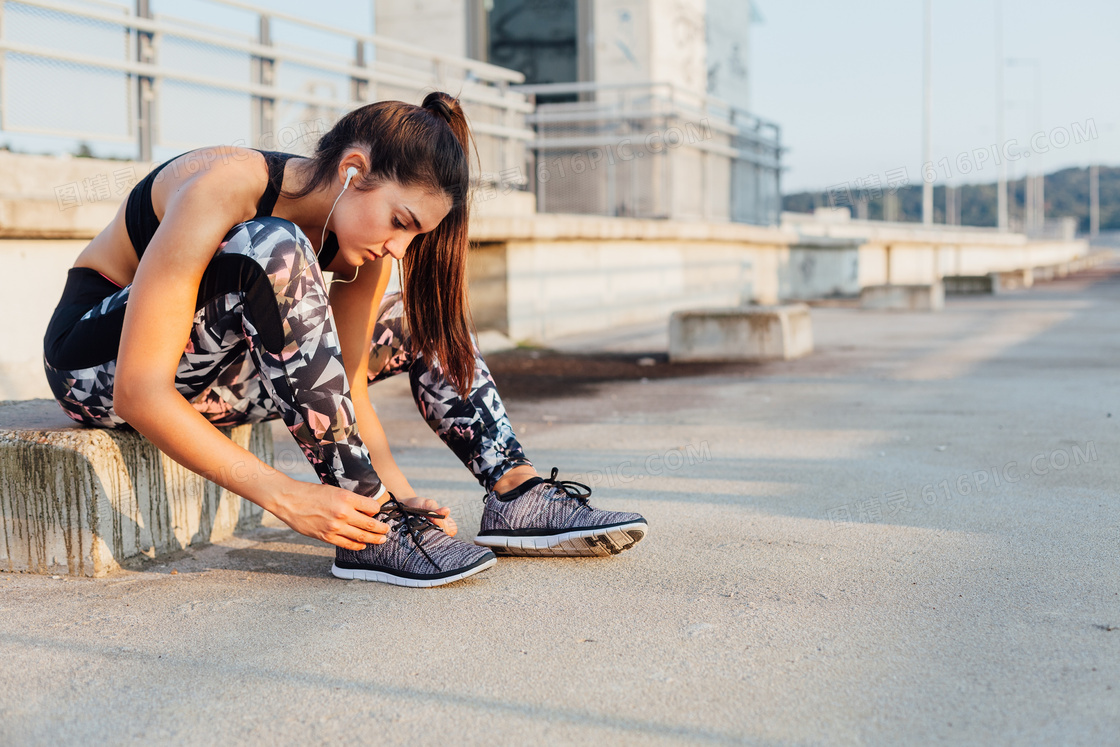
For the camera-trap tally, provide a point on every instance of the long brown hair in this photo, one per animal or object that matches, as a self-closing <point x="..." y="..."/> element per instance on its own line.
<point x="425" y="146"/>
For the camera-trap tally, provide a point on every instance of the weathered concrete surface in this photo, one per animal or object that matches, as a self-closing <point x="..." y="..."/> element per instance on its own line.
<point x="83" y="501"/>
<point x="744" y="333"/>
<point x="747" y="615"/>
<point x="929" y="297"/>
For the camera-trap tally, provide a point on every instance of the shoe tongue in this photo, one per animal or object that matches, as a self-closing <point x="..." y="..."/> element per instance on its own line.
<point x="521" y="489"/>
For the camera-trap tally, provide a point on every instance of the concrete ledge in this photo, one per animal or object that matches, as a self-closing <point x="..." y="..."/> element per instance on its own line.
<point x="748" y="333"/>
<point x="903" y="297"/>
<point x="82" y="501"/>
<point x="1078" y="264"/>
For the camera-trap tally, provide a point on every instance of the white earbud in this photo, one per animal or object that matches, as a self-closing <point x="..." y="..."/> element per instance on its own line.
<point x="350" y="174"/>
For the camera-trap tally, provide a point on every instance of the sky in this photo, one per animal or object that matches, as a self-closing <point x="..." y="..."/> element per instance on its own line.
<point x="844" y="80"/>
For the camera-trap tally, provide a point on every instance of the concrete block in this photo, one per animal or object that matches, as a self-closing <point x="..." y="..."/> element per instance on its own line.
<point x="820" y="267"/>
<point x="969" y="284"/>
<point x="903" y="297"/>
<point x="83" y="501"/>
<point x="745" y="333"/>
<point x="1017" y="279"/>
<point x="1040" y="274"/>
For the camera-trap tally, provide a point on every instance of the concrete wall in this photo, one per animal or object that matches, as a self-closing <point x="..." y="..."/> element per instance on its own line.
<point x="910" y="253"/>
<point x="57" y="198"/>
<point x="566" y="274"/>
<point x="35" y="271"/>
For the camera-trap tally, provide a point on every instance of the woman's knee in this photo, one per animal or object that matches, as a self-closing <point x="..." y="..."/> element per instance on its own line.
<point x="390" y="346"/>
<point x="271" y="264"/>
<point x="279" y="246"/>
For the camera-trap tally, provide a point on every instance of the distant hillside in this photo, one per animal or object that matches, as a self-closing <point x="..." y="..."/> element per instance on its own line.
<point x="1066" y="192"/>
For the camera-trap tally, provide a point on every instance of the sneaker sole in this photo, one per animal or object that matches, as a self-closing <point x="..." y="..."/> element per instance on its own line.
<point x="581" y="543"/>
<point x="362" y="574"/>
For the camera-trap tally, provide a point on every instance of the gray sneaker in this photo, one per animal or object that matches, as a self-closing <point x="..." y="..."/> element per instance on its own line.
<point x="549" y="517"/>
<point x="417" y="552"/>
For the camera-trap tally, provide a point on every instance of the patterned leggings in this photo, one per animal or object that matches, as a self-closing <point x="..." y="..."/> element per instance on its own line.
<point x="263" y="346"/>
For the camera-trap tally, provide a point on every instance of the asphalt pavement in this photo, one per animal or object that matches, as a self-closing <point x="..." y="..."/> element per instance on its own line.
<point x="910" y="537"/>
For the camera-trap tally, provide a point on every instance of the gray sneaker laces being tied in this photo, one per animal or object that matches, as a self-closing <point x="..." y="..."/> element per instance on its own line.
<point x="550" y="518"/>
<point x="416" y="553"/>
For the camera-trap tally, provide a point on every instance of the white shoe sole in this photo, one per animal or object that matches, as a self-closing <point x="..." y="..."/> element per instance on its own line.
<point x="580" y="543"/>
<point x="416" y="583"/>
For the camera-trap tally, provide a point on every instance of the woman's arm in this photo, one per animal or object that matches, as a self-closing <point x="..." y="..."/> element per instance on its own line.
<point x="354" y="306"/>
<point x="199" y="211"/>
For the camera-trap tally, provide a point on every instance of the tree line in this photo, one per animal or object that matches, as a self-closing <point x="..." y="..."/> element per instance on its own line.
<point x="1066" y="193"/>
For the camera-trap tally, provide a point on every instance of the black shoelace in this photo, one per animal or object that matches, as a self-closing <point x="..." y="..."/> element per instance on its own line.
<point x="412" y="522"/>
<point x="569" y="487"/>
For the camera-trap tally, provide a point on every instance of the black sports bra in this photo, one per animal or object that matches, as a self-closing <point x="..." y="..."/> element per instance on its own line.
<point x="141" y="221"/>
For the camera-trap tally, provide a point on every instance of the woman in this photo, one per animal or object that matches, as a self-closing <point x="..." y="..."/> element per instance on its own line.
<point x="203" y="304"/>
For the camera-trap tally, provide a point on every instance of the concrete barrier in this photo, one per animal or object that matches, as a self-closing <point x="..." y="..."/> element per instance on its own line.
<point x="995" y="282"/>
<point x="929" y="297"/>
<point x="820" y="267"/>
<point x="1014" y="279"/>
<point x="956" y="285"/>
<point x="748" y="333"/>
<point x="83" y="501"/>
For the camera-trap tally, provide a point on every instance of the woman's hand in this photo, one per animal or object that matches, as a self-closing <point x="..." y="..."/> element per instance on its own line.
<point x="447" y="524"/>
<point x="331" y="514"/>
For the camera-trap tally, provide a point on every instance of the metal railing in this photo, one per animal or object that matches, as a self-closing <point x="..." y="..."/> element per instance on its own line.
<point x="102" y="72"/>
<point x="652" y="150"/>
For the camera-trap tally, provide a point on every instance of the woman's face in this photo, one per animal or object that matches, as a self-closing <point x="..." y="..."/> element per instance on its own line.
<point x="383" y="222"/>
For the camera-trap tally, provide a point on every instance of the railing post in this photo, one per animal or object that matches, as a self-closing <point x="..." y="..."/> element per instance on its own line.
<point x="264" y="73"/>
<point x="359" y="87"/>
<point x="3" y="97"/>
<point x="778" y="174"/>
<point x="145" y="85"/>
<point x="505" y="143"/>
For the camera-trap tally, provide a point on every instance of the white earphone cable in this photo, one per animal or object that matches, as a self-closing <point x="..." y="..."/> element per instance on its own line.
<point x="350" y="172"/>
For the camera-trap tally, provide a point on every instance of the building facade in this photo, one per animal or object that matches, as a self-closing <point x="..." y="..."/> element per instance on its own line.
<point x="642" y="106"/>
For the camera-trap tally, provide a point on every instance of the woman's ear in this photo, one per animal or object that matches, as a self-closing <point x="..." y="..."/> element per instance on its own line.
<point x="353" y="159"/>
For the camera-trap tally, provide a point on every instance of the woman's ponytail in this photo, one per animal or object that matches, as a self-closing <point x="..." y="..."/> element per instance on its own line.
<point x="434" y="269"/>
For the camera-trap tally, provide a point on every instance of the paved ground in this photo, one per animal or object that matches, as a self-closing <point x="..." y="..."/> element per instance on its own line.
<point x="910" y="537"/>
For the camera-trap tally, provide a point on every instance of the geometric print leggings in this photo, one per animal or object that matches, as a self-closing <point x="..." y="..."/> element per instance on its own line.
<point x="263" y="346"/>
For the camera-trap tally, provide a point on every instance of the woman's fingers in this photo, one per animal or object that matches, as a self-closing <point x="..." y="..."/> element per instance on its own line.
<point x="446" y="524"/>
<point x="360" y="536"/>
<point x="346" y="544"/>
<point x="369" y="526"/>
<point x="365" y="504"/>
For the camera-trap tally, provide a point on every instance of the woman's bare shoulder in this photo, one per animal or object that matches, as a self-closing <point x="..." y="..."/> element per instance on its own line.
<point x="242" y="173"/>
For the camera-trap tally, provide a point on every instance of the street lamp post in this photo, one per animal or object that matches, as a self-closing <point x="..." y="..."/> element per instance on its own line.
<point x="1035" y="183"/>
<point x="1001" y="193"/>
<point x="927" y="114"/>
<point x="1094" y="201"/>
